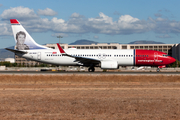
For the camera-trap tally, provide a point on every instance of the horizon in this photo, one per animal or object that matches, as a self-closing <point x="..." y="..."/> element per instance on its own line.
<point x="102" y="42"/>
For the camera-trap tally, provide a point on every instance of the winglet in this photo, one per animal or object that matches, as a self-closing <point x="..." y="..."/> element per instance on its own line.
<point x="60" y="49"/>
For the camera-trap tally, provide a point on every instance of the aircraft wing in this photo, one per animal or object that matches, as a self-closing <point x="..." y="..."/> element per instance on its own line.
<point x="84" y="60"/>
<point x="16" y="51"/>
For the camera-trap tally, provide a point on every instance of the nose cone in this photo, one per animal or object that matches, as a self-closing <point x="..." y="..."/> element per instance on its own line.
<point x="169" y="60"/>
<point x="172" y="60"/>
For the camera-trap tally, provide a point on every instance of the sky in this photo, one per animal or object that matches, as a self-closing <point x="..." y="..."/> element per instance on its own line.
<point x="103" y="21"/>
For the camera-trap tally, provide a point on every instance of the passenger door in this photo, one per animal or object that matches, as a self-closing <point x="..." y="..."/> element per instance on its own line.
<point x="39" y="55"/>
<point x="155" y="56"/>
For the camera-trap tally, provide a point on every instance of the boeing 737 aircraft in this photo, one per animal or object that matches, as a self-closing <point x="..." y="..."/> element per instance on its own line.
<point x="106" y="59"/>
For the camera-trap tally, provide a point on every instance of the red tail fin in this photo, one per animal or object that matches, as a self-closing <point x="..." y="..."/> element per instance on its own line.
<point x="14" y="21"/>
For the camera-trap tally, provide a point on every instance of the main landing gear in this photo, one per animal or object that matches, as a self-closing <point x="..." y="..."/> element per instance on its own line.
<point x="91" y="69"/>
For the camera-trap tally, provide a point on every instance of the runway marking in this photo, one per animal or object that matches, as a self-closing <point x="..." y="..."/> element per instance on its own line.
<point x="70" y="89"/>
<point x="136" y="73"/>
<point x="81" y="74"/>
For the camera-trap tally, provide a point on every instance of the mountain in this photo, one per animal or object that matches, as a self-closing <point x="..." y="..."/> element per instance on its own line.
<point x="89" y="42"/>
<point x="145" y="42"/>
<point x="6" y="54"/>
<point x="83" y="42"/>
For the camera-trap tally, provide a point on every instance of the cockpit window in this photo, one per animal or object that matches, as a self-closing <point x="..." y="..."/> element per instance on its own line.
<point x="165" y="55"/>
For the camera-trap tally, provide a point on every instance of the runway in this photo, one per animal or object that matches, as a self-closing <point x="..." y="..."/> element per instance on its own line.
<point x="88" y="73"/>
<point x="84" y="98"/>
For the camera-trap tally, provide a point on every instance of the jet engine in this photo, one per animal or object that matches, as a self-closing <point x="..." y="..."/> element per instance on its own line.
<point x="109" y="65"/>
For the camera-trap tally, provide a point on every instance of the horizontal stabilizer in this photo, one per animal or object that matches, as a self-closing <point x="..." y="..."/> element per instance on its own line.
<point x="16" y="51"/>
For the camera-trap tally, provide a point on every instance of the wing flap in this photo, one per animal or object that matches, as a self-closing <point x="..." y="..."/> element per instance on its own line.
<point x="86" y="60"/>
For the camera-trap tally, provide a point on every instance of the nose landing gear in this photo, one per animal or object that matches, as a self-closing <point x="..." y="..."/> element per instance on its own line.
<point x="158" y="70"/>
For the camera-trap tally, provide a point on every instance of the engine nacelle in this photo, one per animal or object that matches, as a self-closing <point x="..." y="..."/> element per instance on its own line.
<point x="109" y="65"/>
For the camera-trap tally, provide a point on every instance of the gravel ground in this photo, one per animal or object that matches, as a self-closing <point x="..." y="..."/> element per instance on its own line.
<point x="91" y="101"/>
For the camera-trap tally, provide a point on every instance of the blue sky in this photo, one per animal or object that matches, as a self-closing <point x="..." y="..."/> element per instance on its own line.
<point x="116" y="21"/>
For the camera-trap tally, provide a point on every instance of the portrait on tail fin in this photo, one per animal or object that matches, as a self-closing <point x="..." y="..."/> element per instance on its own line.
<point x="20" y="38"/>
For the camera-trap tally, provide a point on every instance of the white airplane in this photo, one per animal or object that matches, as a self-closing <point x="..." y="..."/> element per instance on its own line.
<point x="106" y="59"/>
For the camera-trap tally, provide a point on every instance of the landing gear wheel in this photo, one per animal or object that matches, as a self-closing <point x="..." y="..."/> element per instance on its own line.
<point x="91" y="69"/>
<point x="158" y="70"/>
